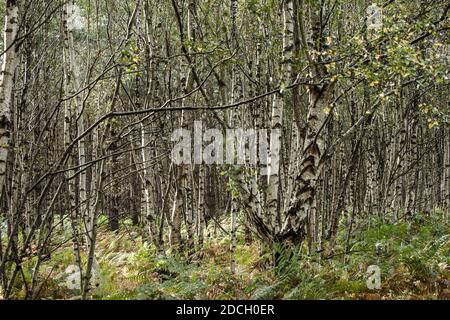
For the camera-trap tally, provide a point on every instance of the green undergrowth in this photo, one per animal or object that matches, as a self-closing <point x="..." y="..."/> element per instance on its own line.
<point x="413" y="259"/>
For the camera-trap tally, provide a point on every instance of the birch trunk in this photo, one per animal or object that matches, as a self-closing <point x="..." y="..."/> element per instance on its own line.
<point x="236" y="117"/>
<point x="303" y="205"/>
<point x="67" y="131"/>
<point x="273" y="188"/>
<point x="72" y="77"/>
<point x="10" y="59"/>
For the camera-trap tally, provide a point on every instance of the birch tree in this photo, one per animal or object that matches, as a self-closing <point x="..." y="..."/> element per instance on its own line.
<point x="10" y="60"/>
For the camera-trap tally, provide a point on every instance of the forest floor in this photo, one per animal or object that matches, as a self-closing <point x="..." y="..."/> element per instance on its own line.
<point x="414" y="261"/>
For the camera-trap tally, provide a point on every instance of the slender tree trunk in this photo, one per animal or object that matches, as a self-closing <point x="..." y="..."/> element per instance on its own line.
<point x="67" y="131"/>
<point x="10" y="59"/>
<point x="273" y="188"/>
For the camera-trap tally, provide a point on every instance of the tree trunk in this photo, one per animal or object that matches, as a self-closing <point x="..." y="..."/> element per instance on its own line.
<point x="6" y="83"/>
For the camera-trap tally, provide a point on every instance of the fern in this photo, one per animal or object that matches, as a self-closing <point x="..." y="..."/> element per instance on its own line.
<point x="268" y="292"/>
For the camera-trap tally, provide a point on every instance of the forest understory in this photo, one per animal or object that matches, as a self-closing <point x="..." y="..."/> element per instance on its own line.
<point x="414" y="260"/>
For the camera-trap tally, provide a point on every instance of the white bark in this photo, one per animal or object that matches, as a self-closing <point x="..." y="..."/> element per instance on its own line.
<point x="148" y="192"/>
<point x="277" y="110"/>
<point x="7" y="82"/>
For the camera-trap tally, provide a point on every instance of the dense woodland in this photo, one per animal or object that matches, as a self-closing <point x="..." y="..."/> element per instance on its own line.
<point x="94" y="207"/>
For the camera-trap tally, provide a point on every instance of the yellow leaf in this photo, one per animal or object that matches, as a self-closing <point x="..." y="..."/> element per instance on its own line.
<point x="432" y="123"/>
